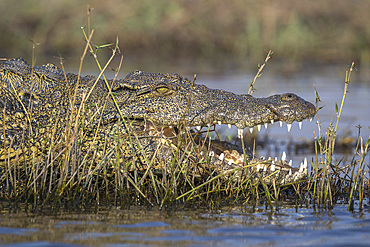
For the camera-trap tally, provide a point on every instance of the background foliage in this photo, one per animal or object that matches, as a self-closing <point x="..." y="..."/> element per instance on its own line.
<point x="219" y="31"/>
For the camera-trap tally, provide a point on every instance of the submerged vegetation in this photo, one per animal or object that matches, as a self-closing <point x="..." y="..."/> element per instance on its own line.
<point x="65" y="174"/>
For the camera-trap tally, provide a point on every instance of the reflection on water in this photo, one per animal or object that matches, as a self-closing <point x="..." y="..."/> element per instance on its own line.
<point x="226" y="226"/>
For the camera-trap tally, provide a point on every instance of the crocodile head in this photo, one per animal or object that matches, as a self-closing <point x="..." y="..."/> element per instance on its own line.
<point x="169" y="99"/>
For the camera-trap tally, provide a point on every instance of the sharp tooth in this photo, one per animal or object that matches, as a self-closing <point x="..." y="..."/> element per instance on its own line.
<point x="240" y="133"/>
<point x="276" y="159"/>
<point x="272" y="167"/>
<point x="300" y="125"/>
<point x="301" y="168"/>
<point x="229" y="125"/>
<point x="290" y="163"/>
<point x="251" y="130"/>
<point x="259" y="127"/>
<point x="289" y="127"/>
<point x="290" y="172"/>
<point x="198" y="127"/>
<point x="305" y="163"/>
<point x="272" y="121"/>
<point x="310" y="119"/>
<point x="219" y="122"/>
<point x="222" y="156"/>
<point x="281" y="123"/>
<point x="265" y="125"/>
<point x="283" y="157"/>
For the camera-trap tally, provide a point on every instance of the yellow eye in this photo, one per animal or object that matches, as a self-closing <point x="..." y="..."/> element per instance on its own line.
<point x="162" y="90"/>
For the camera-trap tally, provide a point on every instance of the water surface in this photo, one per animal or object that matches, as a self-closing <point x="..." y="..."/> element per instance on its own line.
<point x="238" y="226"/>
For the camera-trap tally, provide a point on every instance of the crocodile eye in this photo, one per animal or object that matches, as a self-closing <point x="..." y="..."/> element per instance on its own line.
<point x="289" y="96"/>
<point x="162" y="89"/>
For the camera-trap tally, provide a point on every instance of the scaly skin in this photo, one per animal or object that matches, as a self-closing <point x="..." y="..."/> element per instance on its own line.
<point x="39" y="99"/>
<point x="196" y="105"/>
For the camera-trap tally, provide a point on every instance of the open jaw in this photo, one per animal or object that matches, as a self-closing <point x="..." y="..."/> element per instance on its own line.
<point x="231" y="160"/>
<point x="171" y="100"/>
<point x="275" y="111"/>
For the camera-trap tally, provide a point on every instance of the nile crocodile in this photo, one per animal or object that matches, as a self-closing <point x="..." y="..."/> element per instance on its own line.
<point x="147" y="108"/>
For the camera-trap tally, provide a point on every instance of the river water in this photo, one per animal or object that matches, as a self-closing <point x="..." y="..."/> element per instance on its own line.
<point x="233" y="226"/>
<point x="239" y="226"/>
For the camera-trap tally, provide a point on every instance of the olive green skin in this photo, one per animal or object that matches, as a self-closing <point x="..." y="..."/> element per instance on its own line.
<point x="168" y="99"/>
<point x="164" y="99"/>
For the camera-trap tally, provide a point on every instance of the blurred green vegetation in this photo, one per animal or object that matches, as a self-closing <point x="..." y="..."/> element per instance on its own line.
<point x="297" y="31"/>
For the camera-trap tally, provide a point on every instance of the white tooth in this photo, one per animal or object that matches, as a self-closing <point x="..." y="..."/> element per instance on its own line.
<point x="198" y="127"/>
<point x="211" y="153"/>
<point x="290" y="172"/>
<point x="230" y="162"/>
<point x="258" y="167"/>
<point x="272" y="167"/>
<point x="229" y="125"/>
<point x="265" y="125"/>
<point x="305" y="163"/>
<point x="276" y="159"/>
<point x="265" y="168"/>
<point x="281" y="123"/>
<point x="272" y="121"/>
<point x="251" y="130"/>
<point x="222" y="156"/>
<point x="240" y="133"/>
<point x="289" y="127"/>
<point x="310" y="119"/>
<point x="219" y="122"/>
<point x="283" y="157"/>
<point x="259" y="127"/>
<point x="300" y="125"/>
<point x="301" y="168"/>
<point x="290" y="163"/>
